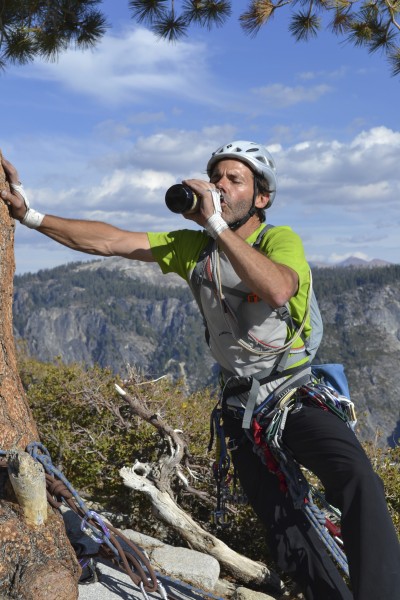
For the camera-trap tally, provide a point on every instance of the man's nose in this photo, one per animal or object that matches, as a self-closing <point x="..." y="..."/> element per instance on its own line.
<point x="220" y="184"/>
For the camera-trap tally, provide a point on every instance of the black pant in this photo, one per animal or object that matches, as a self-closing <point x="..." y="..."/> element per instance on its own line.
<point x="326" y="446"/>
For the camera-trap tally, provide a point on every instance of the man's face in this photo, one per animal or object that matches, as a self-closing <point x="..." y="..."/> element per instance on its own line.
<point x="236" y="182"/>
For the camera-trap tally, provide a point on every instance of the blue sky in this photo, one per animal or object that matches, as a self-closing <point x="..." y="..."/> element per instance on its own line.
<point x="102" y="134"/>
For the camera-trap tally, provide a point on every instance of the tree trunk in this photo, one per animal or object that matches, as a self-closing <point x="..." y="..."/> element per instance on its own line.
<point x="37" y="561"/>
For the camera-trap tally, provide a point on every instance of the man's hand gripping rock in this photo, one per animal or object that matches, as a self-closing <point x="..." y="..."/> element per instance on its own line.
<point x="17" y="199"/>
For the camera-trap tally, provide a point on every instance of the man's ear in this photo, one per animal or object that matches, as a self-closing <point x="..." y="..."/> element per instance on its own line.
<point x="262" y="200"/>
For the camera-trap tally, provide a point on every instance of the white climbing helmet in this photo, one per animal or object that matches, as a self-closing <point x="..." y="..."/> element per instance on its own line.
<point x="255" y="155"/>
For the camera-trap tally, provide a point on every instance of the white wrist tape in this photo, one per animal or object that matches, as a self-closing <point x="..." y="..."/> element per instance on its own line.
<point x="216" y="225"/>
<point x="18" y="187"/>
<point x="32" y="219"/>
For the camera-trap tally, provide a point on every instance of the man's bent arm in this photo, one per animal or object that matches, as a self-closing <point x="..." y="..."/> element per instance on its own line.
<point x="272" y="282"/>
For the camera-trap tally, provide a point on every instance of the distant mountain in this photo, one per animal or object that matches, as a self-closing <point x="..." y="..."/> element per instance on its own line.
<point x="353" y="261"/>
<point x="118" y="313"/>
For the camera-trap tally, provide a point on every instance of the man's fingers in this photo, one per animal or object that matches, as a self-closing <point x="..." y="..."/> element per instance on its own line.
<point x="10" y="170"/>
<point x="11" y="199"/>
<point x="4" y="195"/>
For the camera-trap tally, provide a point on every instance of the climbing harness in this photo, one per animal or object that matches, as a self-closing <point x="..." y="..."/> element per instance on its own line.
<point x="266" y="431"/>
<point x="319" y="512"/>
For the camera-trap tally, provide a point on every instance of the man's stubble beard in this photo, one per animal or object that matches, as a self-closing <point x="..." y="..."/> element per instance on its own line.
<point x="238" y="211"/>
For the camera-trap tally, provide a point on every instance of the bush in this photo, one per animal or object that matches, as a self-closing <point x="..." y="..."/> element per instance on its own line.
<point x="91" y="432"/>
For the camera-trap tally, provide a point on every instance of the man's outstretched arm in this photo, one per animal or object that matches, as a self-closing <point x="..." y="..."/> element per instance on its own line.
<point x="94" y="237"/>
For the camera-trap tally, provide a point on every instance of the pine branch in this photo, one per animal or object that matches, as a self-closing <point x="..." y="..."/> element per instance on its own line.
<point x="170" y="27"/>
<point x="259" y="14"/>
<point x="148" y="11"/>
<point x="303" y="26"/>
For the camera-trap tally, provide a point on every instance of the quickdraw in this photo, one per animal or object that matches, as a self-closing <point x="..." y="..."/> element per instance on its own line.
<point x="268" y="435"/>
<point x="227" y="483"/>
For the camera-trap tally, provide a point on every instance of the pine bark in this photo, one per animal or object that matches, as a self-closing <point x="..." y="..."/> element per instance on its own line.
<point x="36" y="562"/>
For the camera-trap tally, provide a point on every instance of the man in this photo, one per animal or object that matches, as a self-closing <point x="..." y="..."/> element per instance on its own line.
<point x="241" y="290"/>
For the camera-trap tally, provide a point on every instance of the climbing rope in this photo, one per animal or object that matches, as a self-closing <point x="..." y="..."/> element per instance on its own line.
<point x="318" y="520"/>
<point x="114" y="545"/>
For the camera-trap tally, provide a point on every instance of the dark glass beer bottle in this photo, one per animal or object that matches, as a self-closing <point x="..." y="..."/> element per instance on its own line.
<point x="181" y="199"/>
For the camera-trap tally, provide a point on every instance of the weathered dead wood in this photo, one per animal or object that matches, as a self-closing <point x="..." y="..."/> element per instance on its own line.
<point x="240" y="567"/>
<point x="155" y="482"/>
<point x="179" y="450"/>
<point x="28" y="481"/>
<point x="36" y="563"/>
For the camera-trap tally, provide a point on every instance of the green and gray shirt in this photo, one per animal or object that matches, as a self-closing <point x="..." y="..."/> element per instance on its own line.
<point x="244" y="335"/>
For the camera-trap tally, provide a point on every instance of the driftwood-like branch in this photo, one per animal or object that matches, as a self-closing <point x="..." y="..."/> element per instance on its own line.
<point x="240" y="567"/>
<point x="155" y="484"/>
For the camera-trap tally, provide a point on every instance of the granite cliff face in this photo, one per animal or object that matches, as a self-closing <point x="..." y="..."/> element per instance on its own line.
<point x="117" y="313"/>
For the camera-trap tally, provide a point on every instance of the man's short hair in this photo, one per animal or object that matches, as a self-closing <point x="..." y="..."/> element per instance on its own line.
<point x="260" y="187"/>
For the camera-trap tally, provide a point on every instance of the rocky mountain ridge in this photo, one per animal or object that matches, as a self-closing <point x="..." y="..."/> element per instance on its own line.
<point x="120" y="313"/>
<point x="353" y="261"/>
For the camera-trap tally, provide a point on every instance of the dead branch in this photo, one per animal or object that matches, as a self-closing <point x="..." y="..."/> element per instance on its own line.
<point x="178" y="447"/>
<point x="240" y="567"/>
<point x="154" y="482"/>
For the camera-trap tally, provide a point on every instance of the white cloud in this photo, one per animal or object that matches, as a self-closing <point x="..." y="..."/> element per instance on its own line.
<point x="184" y="152"/>
<point x="356" y="174"/>
<point x="335" y="74"/>
<point x="331" y="199"/>
<point x="360" y="173"/>
<point x="130" y="68"/>
<point x="278" y="95"/>
<point x="377" y="136"/>
<point x="132" y="186"/>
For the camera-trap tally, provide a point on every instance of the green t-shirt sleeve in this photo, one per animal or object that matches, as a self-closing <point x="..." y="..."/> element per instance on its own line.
<point x="177" y="251"/>
<point x="284" y="246"/>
